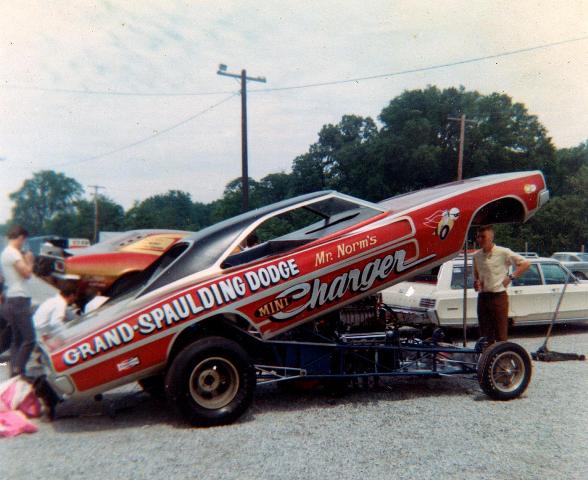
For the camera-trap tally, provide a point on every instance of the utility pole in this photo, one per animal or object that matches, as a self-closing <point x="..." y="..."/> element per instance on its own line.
<point x="222" y="70"/>
<point x="96" y="222"/>
<point x="462" y="121"/>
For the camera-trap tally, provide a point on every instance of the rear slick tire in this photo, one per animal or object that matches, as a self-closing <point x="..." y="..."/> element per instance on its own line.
<point x="504" y="371"/>
<point x="211" y="382"/>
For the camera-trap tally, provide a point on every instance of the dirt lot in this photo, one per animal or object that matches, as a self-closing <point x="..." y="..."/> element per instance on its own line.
<point x="408" y="428"/>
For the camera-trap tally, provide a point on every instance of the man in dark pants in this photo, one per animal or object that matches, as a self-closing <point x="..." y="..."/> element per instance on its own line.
<point x="491" y="277"/>
<point x="18" y="268"/>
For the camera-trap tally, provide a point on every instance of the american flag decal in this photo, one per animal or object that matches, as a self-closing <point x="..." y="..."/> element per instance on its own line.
<point x="128" y="364"/>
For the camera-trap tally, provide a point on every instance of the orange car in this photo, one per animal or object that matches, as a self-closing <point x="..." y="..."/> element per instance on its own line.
<point x="108" y="266"/>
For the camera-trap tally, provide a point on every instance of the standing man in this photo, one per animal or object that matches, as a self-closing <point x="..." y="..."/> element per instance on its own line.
<point x="18" y="268"/>
<point x="491" y="279"/>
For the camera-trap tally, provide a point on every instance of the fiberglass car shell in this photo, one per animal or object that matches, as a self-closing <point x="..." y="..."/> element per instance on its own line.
<point x="208" y="286"/>
<point x="109" y="265"/>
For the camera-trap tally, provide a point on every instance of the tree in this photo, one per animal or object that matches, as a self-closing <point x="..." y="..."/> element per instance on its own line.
<point x="338" y="159"/>
<point x="80" y="221"/>
<point x="419" y="146"/>
<point x="173" y="210"/>
<point x="231" y="202"/>
<point x="43" y="197"/>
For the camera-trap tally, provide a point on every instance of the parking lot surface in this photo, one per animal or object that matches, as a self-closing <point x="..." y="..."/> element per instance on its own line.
<point x="405" y="428"/>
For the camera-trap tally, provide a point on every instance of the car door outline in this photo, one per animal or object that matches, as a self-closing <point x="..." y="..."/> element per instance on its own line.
<point x="574" y="303"/>
<point x="529" y="298"/>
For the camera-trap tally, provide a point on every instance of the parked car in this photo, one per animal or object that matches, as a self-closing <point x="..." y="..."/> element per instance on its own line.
<point x="264" y="297"/>
<point x="533" y="297"/>
<point x="109" y="266"/>
<point x="577" y="262"/>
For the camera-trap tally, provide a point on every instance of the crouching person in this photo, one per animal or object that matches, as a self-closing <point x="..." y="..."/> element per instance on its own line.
<point x="52" y="312"/>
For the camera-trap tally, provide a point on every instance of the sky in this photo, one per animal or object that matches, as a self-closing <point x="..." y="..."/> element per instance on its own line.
<point x="53" y="53"/>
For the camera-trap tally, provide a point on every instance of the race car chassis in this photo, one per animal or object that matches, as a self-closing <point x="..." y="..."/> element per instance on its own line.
<point x="367" y="355"/>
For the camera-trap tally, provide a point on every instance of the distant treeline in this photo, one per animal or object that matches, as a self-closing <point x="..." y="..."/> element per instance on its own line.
<point x="412" y="146"/>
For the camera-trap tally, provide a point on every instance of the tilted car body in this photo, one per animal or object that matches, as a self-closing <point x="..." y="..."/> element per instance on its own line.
<point x="214" y="314"/>
<point x="111" y="264"/>
<point x="532" y="300"/>
<point x="576" y="262"/>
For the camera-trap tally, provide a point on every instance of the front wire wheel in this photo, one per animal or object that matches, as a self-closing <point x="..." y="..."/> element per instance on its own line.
<point x="504" y="371"/>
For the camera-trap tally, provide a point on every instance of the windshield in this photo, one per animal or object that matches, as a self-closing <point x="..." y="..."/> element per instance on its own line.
<point x="583" y="257"/>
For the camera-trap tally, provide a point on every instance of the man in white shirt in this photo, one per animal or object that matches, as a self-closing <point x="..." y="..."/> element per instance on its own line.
<point x="17" y="268"/>
<point x="491" y="278"/>
<point x="52" y="312"/>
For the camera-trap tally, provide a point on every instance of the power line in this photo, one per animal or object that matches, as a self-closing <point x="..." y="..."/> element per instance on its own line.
<point x="306" y="85"/>
<point x="146" y="139"/>
<point x="118" y="93"/>
<point x="424" y="69"/>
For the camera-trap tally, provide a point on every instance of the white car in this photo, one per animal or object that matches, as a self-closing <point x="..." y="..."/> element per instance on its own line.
<point x="532" y="298"/>
<point x="577" y="262"/>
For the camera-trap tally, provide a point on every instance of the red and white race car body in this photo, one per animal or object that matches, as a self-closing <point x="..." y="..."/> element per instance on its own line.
<point x="269" y="293"/>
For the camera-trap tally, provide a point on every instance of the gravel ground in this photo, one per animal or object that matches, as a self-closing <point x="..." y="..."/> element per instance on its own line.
<point x="408" y="428"/>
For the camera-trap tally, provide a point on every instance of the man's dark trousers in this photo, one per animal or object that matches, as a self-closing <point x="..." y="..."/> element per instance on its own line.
<point x="493" y="316"/>
<point x="17" y="311"/>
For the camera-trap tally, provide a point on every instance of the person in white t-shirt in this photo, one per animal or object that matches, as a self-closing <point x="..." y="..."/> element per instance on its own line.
<point x="491" y="278"/>
<point x="52" y="312"/>
<point x="17" y="268"/>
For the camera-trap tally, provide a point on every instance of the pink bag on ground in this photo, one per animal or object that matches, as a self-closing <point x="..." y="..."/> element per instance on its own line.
<point x="17" y="402"/>
<point x="14" y="423"/>
<point x="18" y="394"/>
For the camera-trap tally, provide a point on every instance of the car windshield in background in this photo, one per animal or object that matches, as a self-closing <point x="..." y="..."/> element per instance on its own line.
<point x="583" y="257"/>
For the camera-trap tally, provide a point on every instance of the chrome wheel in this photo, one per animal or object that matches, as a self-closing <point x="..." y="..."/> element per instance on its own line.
<point x="214" y="382"/>
<point x="507" y="371"/>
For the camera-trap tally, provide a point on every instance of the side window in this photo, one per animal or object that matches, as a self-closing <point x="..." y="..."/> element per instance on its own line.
<point x="553" y="273"/>
<point x="457" y="277"/>
<point x="530" y="277"/>
<point x="296" y="227"/>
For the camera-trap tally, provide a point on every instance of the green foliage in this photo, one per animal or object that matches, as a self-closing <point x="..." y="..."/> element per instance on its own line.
<point x="80" y="221"/>
<point x="43" y="197"/>
<point x="414" y="147"/>
<point x="173" y="210"/>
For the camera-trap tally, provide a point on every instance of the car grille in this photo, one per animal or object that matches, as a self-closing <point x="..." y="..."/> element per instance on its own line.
<point x="427" y="303"/>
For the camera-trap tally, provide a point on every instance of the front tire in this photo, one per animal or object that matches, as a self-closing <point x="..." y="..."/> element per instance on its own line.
<point x="504" y="371"/>
<point x="211" y="382"/>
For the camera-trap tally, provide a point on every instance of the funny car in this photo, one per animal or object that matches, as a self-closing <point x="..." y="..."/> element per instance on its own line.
<point x="285" y="293"/>
<point x="109" y="266"/>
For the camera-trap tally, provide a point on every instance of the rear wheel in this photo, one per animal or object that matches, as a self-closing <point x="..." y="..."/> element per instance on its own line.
<point x="504" y="371"/>
<point x="211" y="382"/>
